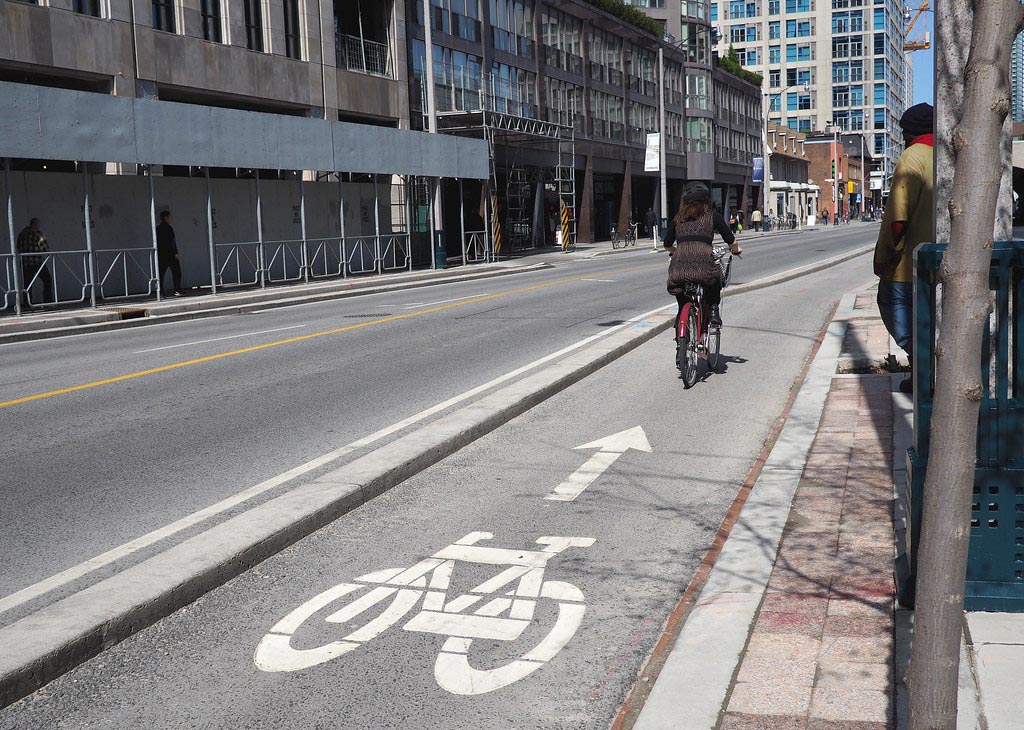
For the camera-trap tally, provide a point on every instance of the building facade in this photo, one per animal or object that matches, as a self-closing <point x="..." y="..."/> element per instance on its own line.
<point x="538" y="77"/>
<point x="848" y="154"/>
<point x="836" y="62"/>
<point x="792" y="191"/>
<point x="277" y="133"/>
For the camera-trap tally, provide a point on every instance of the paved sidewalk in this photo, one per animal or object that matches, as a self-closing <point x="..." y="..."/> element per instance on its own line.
<point x="826" y="646"/>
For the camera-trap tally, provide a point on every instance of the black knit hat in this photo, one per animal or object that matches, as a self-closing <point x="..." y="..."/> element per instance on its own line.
<point x="695" y="190"/>
<point x="918" y="119"/>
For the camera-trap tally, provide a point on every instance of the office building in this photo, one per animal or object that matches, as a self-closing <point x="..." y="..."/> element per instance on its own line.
<point x="837" y="62"/>
<point x="1017" y="79"/>
<point x="566" y="95"/>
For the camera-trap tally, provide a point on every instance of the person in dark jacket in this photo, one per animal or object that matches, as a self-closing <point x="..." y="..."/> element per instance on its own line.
<point x="689" y="238"/>
<point x="651" y="223"/>
<point x="167" y="252"/>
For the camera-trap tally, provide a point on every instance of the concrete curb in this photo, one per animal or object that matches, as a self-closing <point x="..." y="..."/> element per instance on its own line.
<point x="256" y="301"/>
<point x="55" y="639"/>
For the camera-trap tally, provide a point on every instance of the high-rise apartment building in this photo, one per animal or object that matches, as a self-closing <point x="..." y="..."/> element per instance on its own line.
<point x="1017" y="79"/>
<point x="825" y="62"/>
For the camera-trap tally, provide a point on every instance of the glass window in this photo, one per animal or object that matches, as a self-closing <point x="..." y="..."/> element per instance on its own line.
<point x="163" y="15"/>
<point x="292" y="30"/>
<point x="798" y="6"/>
<point x="774" y="79"/>
<point x="210" y="12"/>
<point x="714" y="11"/>
<point x="773" y="7"/>
<point x="699" y="135"/>
<point x="879" y="69"/>
<point x="773" y="30"/>
<point x="697" y="86"/>
<point x="879" y="95"/>
<point x="88" y="7"/>
<point x="879" y="18"/>
<point x="791" y="101"/>
<point x="775" y="54"/>
<point x="253" y="24"/>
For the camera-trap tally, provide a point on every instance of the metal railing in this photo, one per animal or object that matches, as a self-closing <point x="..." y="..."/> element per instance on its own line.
<point x="285" y="260"/>
<point x="239" y="264"/>
<point x="62" y="266"/>
<point x="363" y="56"/>
<point x="397" y="252"/>
<point x="327" y="258"/>
<point x="8" y="288"/>
<point x="475" y="245"/>
<point x="126" y="264"/>
<point x="361" y="255"/>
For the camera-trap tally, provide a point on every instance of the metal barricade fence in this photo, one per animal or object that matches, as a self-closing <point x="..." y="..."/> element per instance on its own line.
<point x="128" y="270"/>
<point x="285" y="260"/>
<point x="239" y="264"/>
<point x="63" y="266"/>
<point x="397" y="253"/>
<point x="361" y="255"/>
<point x="476" y="247"/>
<point x="327" y="258"/>
<point x="7" y="282"/>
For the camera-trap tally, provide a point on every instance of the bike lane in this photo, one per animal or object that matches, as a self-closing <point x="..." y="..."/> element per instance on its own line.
<point x="641" y="499"/>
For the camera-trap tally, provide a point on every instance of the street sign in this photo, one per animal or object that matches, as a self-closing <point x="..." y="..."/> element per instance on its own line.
<point x="652" y="160"/>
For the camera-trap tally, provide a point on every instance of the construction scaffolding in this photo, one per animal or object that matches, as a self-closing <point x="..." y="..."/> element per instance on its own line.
<point x="497" y="110"/>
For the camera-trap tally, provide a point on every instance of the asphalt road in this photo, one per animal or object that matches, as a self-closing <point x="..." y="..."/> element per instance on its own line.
<point x="89" y="469"/>
<point x="646" y="521"/>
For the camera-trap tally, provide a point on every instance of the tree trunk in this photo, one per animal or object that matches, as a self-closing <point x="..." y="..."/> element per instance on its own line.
<point x="977" y="147"/>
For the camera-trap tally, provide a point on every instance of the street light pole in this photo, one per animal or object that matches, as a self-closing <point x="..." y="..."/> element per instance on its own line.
<point x="835" y="173"/>
<point x="428" y="72"/>
<point x="663" y="141"/>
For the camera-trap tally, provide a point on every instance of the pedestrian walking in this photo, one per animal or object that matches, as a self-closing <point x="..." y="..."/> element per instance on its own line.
<point x="732" y="222"/>
<point x="167" y="252"/>
<point x="740" y="217"/>
<point x="824" y="217"/>
<point x="651" y="223"/>
<point x="31" y="242"/>
<point x="906" y="223"/>
<point x="755" y="219"/>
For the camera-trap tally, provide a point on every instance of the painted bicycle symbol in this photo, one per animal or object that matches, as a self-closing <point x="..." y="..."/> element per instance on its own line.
<point x="502" y="618"/>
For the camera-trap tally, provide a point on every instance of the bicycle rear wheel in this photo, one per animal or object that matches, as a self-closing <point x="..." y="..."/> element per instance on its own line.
<point x="714" y="347"/>
<point x="686" y="349"/>
<point x="615" y="240"/>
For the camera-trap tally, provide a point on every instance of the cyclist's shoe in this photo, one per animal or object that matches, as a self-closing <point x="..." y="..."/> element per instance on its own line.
<point x="716" y="316"/>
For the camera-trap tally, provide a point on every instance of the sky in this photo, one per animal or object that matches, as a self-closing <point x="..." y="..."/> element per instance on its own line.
<point x="923" y="63"/>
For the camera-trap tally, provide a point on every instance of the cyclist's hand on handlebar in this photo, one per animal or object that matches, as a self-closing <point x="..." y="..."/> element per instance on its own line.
<point x="736" y="250"/>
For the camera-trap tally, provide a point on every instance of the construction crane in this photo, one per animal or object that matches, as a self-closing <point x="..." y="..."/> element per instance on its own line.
<point x="922" y="43"/>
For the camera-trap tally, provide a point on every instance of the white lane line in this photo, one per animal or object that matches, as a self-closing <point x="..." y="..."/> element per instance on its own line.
<point x="77" y="571"/>
<point x="219" y="339"/>
<point x="606" y="280"/>
<point x="442" y="301"/>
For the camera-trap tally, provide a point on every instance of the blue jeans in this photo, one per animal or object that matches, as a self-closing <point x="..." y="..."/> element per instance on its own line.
<point x="896" y="303"/>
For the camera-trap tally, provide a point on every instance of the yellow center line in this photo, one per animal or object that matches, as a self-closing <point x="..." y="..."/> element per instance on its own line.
<point x="302" y="338"/>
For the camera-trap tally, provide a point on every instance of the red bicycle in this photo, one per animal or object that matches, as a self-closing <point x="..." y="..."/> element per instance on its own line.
<point x="696" y="337"/>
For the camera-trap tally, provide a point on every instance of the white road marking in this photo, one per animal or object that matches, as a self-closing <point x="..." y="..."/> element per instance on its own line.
<point x="611" y="448"/>
<point x="442" y="301"/>
<point x="219" y="339"/>
<point x="110" y="556"/>
<point x="452" y="669"/>
<point x="604" y="280"/>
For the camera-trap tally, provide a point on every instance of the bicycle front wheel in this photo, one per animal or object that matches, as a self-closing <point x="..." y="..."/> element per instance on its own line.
<point x="615" y="240"/>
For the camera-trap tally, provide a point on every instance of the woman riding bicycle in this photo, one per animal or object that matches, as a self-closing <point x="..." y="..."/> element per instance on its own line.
<point x="692" y="232"/>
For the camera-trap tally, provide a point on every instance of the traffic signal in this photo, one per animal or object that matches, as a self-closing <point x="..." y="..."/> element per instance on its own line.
<point x="833" y="169"/>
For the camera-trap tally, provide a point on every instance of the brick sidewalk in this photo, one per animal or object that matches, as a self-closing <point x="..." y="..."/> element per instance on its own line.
<point x="821" y="653"/>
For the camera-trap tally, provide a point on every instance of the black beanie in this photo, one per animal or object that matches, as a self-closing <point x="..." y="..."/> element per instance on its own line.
<point x="918" y="119"/>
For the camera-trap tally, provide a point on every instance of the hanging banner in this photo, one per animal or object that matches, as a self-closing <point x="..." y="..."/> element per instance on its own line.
<point x="758" y="171"/>
<point x="652" y="161"/>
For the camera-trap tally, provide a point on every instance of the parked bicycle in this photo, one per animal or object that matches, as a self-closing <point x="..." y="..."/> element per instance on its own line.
<point x="697" y="338"/>
<point x="628" y="240"/>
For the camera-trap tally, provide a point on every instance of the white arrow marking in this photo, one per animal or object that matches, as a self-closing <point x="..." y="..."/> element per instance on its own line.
<point x="611" y="448"/>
